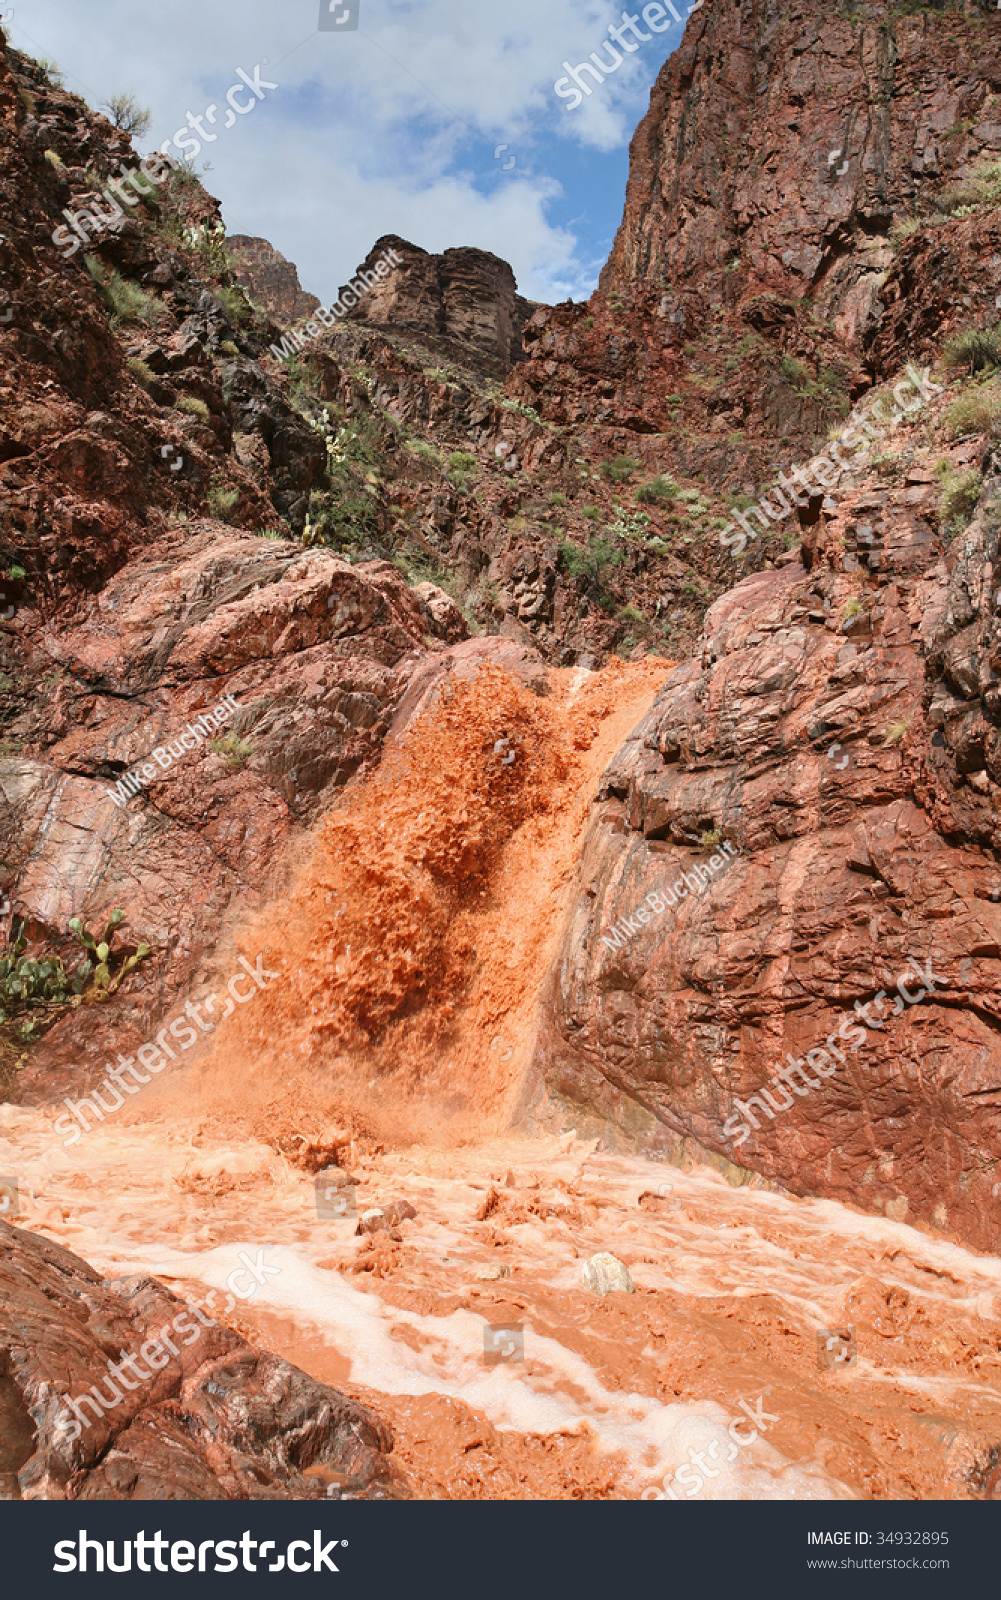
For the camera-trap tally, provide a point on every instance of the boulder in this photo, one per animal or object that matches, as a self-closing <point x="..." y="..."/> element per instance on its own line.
<point x="210" y="1418"/>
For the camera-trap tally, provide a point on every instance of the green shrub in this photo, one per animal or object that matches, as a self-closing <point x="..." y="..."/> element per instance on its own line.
<point x="629" y="524"/>
<point x="463" y="469"/>
<point x="592" y="513"/>
<point x="829" y="387"/>
<point x="220" y="499"/>
<point x="903" y="229"/>
<point x="50" y="69"/>
<point x="418" y="567"/>
<point x="235" y="749"/>
<point x="976" y="410"/>
<point x="124" y="300"/>
<point x="794" y="371"/>
<point x="234" y="303"/>
<point x="424" y="451"/>
<point x="980" y="187"/>
<point x="974" y="350"/>
<point x="301" y="378"/>
<point x="961" y="493"/>
<point x="34" y="993"/>
<point x="344" y="519"/>
<point x="207" y="243"/>
<point x="522" y="410"/>
<point x="659" y="491"/>
<point x="126" y="113"/>
<point x="590" y="564"/>
<point x="140" y="371"/>
<point x="557" y="499"/>
<point x="194" y="407"/>
<point x="621" y="469"/>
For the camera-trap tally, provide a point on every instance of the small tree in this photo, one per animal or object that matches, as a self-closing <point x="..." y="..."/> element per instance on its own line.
<point x="126" y="113"/>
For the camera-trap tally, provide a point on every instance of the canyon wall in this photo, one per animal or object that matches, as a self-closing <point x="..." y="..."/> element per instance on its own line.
<point x="839" y="722"/>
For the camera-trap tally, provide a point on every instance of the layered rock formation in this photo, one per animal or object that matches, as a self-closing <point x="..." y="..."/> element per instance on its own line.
<point x="214" y="1419"/>
<point x="465" y="302"/>
<point x="269" y="279"/>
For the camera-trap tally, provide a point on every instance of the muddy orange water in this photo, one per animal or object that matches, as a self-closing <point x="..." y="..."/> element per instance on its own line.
<point x="410" y="948"/>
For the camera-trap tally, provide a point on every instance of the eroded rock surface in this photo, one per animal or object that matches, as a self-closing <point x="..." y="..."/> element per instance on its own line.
<point x="215" y="1419"/>
<point x="849" y="752"/>
<point x="271" y="279"/>
<point x="464" y="297"/>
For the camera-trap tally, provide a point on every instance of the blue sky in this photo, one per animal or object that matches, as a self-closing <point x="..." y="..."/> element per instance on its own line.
<point x="390" y="127"/>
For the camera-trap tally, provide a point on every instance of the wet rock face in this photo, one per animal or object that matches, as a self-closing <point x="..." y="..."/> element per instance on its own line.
<point x="464" y="297"/>
<point x="270" y="279"/>
<point x="851" y="937"/>
<point x="214" y="1418"/>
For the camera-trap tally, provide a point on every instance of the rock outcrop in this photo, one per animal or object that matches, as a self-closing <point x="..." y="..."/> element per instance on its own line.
<point x="464" y="302"/>
<point x="270" y="280"/>
<point x="214" y="1418"/>
<point x="781" y="145"/>
<point x="808" y="210"/>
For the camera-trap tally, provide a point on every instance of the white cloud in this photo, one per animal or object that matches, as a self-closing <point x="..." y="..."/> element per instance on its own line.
<point x="364" y="134"/>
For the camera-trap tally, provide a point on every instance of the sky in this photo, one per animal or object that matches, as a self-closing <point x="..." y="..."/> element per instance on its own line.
<point x="434" y="119"/>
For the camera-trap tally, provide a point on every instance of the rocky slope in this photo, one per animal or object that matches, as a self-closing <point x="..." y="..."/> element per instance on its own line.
<point x="849" y="752"/>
